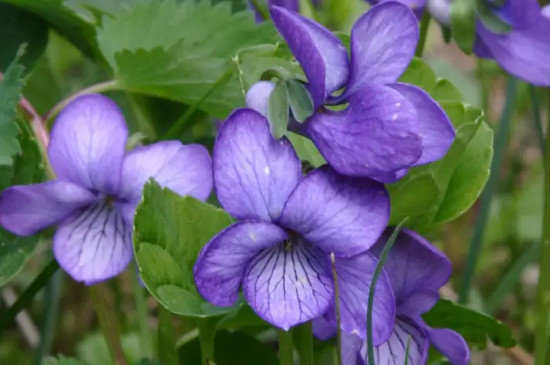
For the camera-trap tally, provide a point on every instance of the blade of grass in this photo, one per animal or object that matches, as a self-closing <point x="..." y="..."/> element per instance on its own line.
<point x="500" y="143"/>
<point x="337" y="308"/>
<point x="303" y="341"/>
<point x="377" y="273"/>
<point x="536" y="116"/>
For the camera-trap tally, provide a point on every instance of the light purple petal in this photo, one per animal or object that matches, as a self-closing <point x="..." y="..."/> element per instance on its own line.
<point x="220" y="267"/>
<point x="253" y="173"/>
<point x="546" y="11"/>
<point x="25" y="210"/>
<point x="394" y="351"/>
<point x="418" y="303"/>
<point x="435" y="128"/>
<point x="321" y="54"/>
<point x="450" y="344"/>
<point x="354" y="280"/>
<point x="519" y="13"/>
<point x="413" y="266"/>
<point x="352" y="353"/>
<point x="417" y="6"/>
<point x="87" y="143"/>
<point x="94" y="244"/>
<point x="524" y="53"/>
<point x="383" y="42"/>
<point x="289" y="284"/>
<point x="337" y="213"/>
<point x="376" y="136"/>
<point x="257" y="97"/>
<point x="185" y="169"/>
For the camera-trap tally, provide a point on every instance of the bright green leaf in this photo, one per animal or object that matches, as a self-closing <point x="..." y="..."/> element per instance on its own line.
<point x="420" y="74"/>
<point x="300" y="100"/>
<point x="169" y="231"/>
<point x="444" y="90"/>
<point x="277" y="109"/>
<point x="180" y="50"/>
<point x="62" y="360"/>
<point x="463" y="23"/>
<point x="306" y="150"/>
<point x="474" y="326"/>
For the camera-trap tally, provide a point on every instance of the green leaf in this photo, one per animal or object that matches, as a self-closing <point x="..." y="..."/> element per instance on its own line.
<point x="300" y="100"/>
<point x="277" y="109"/>
<point x="148" y="56"/>
<point x="474" y="326"/>
<point x="420" y="74"/>
<point x="17" y="27"/>
<point x="147" y="362"/>
<point x="463" y="24"/>
<point x="62" y="360"/>
<point x="169" y="231"/>
<point x="64" y="20"/>
<point x="306" y="150"/>
<point x="10" y="93"/>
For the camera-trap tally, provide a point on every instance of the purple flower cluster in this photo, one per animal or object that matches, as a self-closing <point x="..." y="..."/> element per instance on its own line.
<point x="98" y="187"/>
<point x="387" y="126"/>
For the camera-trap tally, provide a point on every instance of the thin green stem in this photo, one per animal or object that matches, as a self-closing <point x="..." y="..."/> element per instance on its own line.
<point x="140" y="300"/>
<point x="49" y="317"/>
<point x="166" y="340"/>
<point x="97" y="88"/>
<point x="23" y="301"/>
<point x="303" y="341"/>
<point x="485" y="87"/>
<point x="107" y="323"/>
<point x="424" y="27"/>
<point x="286" y="349"/>
<point x="337" y="308"/>
<point x="542" y="303"/>
<point x="537" y="117"/>
<point x="207" y="335"/>
<point x="500" y="143"/>
<point x="183" y="123"/>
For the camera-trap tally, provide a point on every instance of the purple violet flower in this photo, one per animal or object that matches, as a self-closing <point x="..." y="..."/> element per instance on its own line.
<point x="524" y="51"/>
<point x="288" y="225"/>
<point x="417" y="6"/>
<point x="387" y="126"/>
<point x="98" y="187"/>
<point x="416" y="270"/>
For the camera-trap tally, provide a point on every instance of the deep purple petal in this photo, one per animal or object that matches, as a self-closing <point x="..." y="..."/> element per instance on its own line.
<point x="185" y="169"/>
<point x="418" y="303"/>
<point x="289" y="284"/>
<point x="293" y="5"/>
<point x="94" y="244"/>
<point x="414" y="266"/>
<point x="435" y="128"/>
<point x="339" y="214"/>
<point x="253" y="173"/>
<point x="524" y="53"/>
<point x="450" y="344"/>
<point x="376" y="136"/>
<point x="220" y="267"/>
<point x="25" y="210"/>
<point x="417" y="6"/>
<point x="383" y="42"/>
<point x="257" y="97"/>
<point x="519" y="13"/>
<point x="321" y="54"/>
<point x="87" y="143"/>
<point x="323" y="328"/>
<point x="354" y="280"/>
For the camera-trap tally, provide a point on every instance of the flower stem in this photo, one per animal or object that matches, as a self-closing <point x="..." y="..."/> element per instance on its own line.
<point x="23" y="301"/>
<point x="542" y="303"/>
<point x="303" y="340"/>
<point x="537" y="117"/>
<point x="207" y="334"/>
<point x="140" y="300"/>
<point x="166" y="340"/>
<point x="500" y="143"/>
<point x="337" y="308"/>
<point x="107" y="323"/>
<point x="286" y="350"/>
<point x="97" y="88"/>
<point x="424" y="26"/>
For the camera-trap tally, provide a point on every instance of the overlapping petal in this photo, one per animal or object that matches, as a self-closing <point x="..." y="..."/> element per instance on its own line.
<point x="87" y="143"/>
<point x="354" y="281"/>
<point x="435" y="128"/>
<point x="450" y="344"/>
<point x="25" y="210"/>
<point x="339" y="214"/>
<point x="185" y="169"/>
<point x="414" y="267"/>
<point x="94" y="244"/>
<point x="323" y="57"/>
<point x="253" y="173"/>
<point x="519" y="13"/>
<point x="221" y="265"/>
<point x="257" y="96"/>
<point x="524" y="53"/>
<point x="383" y="42"/>
<point x="289" y="284"/>
<point x="376" y="136"/>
